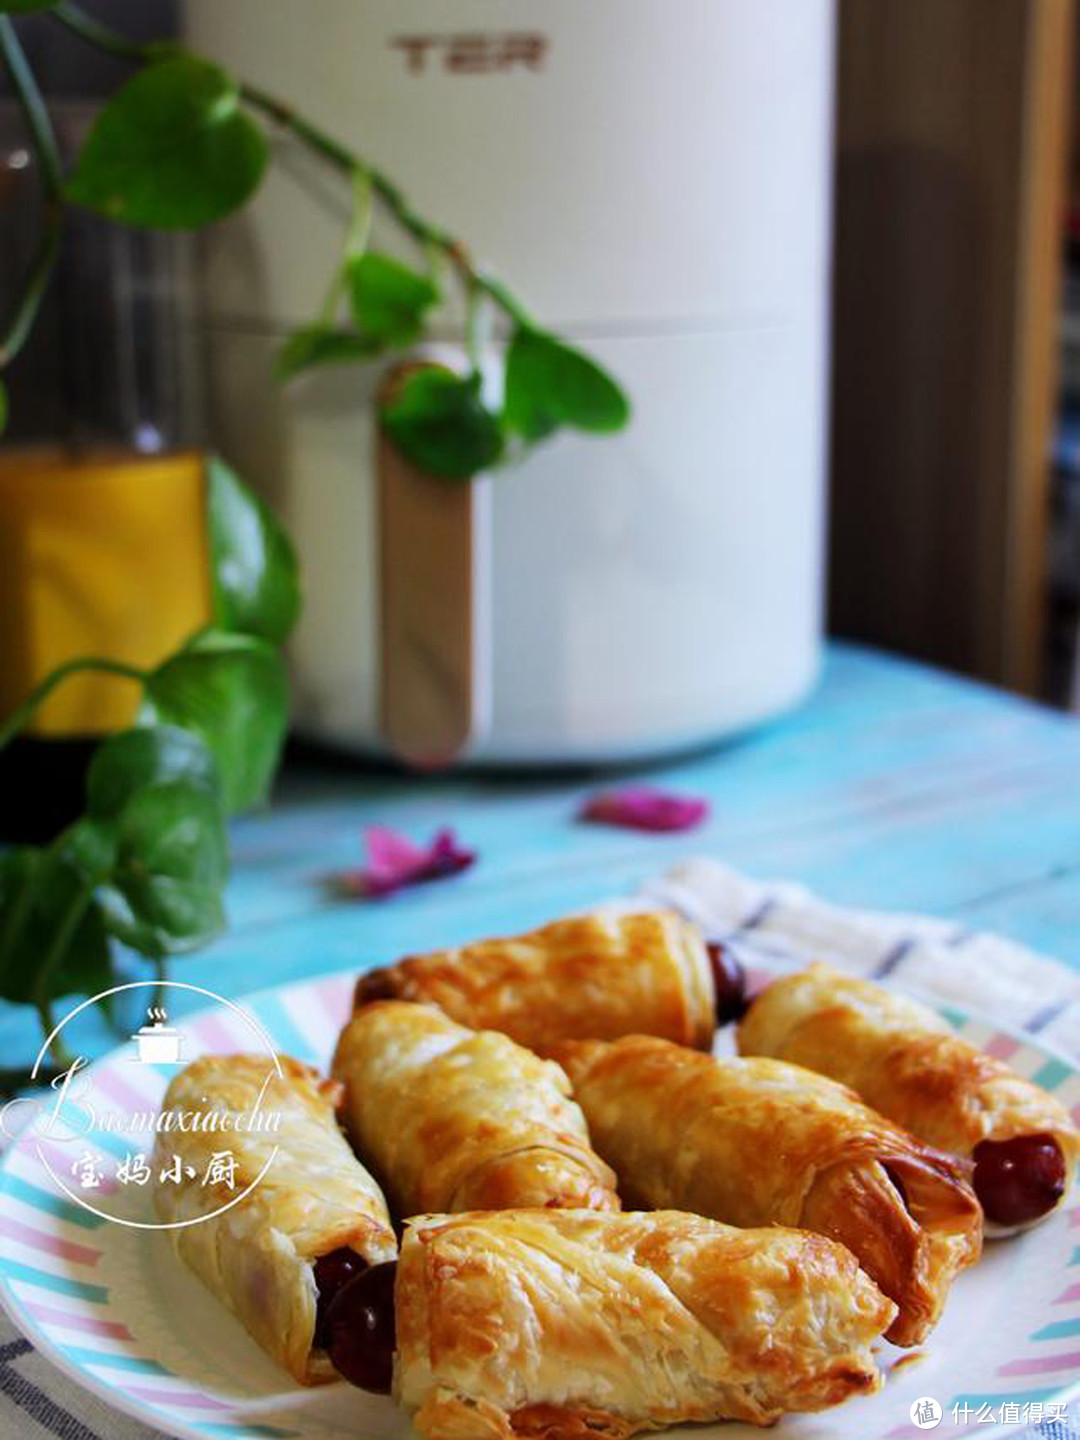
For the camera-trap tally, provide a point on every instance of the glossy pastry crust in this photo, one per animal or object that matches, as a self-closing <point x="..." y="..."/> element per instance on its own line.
<point x="454" y="1119"/>
<point x="758" y="1142"/>
<point x="601" y="975"/>
<point x="573" y="1324"/>
<point x="903" y="1060"/>
<point x="316" y="1197"/>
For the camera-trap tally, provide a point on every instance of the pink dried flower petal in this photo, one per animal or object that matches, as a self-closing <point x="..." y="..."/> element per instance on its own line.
<point x="642" y="807"/>
<point x="394" y="861"/>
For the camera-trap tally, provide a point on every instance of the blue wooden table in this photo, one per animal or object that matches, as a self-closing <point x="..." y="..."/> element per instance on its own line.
<point x="894" y="787"/>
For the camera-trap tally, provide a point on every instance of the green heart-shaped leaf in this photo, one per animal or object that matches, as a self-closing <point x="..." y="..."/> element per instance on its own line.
<point x="153" y="796"/>
<point x="317" y="345"/>
<point x="146" y="755"/>
<point x="38" y="889"/>
<point x="171" y="864"/>
<point x="232" y="691"/>
<point x="440" y="423"/>
<point x="389" y="300"/>
<point x="172" y="149"/>
<point x="123" y="924"/>
<point x="549" y="384"/>
<point x="256" y="577"/>
<point x="90" y="845"/>
<point x="19" y="879"/>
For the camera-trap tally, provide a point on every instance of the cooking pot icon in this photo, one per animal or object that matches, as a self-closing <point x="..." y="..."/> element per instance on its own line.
<point x="158" y="1043"/>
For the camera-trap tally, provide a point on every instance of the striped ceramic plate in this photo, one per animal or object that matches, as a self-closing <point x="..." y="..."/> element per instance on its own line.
<point x="110" y="1304"/>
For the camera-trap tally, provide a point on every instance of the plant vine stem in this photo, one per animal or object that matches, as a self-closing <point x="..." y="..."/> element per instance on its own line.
<point x="99" y="35"/>
<point x="33" y="107"/>
<point x="48" y="154"/>
<point x="161" y="974"/>
<point x="331" y="150"/>
<point x="356" y="238"/>
<point x="37" y="282"/>
<point x="473" y="326"/>
<point x="62" y="1056"/>
<point x="391" y="196"/>
<point x="55" y="953"/>
<point x="24" y="713"/>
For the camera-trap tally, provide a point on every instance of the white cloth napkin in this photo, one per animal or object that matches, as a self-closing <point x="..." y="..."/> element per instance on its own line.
<point x="788" y="926"/>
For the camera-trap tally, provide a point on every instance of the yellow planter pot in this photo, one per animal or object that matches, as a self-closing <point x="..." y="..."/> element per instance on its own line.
<point x="102" y="555"/>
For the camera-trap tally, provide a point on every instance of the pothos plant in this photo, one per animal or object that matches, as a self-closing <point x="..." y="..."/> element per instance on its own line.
<point x="146" y="863"/>
<point x="180" y="145"/>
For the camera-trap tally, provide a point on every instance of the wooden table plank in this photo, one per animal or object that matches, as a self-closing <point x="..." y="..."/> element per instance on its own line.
<point x="894" y="786"/>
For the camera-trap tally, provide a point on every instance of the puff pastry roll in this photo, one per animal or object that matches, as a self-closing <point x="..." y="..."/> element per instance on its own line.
<point x="903" y="1060"/>
<point x="567" y="1324"/>
<point x="601" y="975"/>
<point x="758" y="1142"/>
<point x="454" y="1119"/>
<point x="315" y="1219"/>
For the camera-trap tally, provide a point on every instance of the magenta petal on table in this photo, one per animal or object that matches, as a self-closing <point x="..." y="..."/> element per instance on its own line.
<point x="394" y="861"/>
<point x="641" y="807"/>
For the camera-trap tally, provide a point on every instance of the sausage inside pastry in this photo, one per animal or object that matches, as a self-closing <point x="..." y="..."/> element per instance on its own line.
<point x="564" y="1324"/>
<point x="314" y="1220"/>
<point x="454" y="1119"/>
<point x="903" y="1060"/>
<point x="758" y="1142"/>
<point x="601" y="975"/>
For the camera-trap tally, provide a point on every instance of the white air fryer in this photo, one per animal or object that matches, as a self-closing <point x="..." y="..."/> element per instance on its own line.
<point x="652" y="177"/>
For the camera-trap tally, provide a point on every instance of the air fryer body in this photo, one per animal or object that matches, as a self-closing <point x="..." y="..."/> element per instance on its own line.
<point x="653" y="179"/>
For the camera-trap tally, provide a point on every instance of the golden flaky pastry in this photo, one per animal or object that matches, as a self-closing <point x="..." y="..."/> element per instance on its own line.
<point x="572" y="1324"/>
<point x="601" y="975"/>
<point x="758" y="1142"/>
<point x="257" y="1257"/>
<point x="454" y="1119"/>
<point x="904" y="1061"/>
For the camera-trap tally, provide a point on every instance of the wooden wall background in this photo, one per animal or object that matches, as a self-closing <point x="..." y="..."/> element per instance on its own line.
<point x="953" y="149"/>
